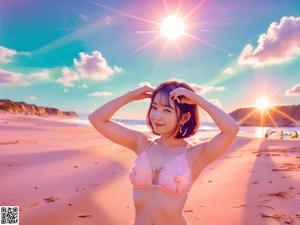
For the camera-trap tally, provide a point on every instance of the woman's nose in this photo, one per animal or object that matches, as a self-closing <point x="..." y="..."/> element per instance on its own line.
<point x="157" y="116"/>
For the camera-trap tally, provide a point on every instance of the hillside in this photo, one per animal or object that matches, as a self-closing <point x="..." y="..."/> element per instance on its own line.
<point x="7" y="105"/>
<point x="282" y="116"/>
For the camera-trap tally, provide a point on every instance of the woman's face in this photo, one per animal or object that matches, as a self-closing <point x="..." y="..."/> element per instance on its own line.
<point x="163" y="116"/>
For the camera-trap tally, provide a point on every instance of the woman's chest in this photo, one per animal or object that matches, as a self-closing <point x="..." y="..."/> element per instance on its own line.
<point x="153" y="199"/>
<point x="178" y="163"/>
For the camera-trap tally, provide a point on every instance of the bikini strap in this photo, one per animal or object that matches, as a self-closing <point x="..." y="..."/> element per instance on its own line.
<point x="148" y="146"/>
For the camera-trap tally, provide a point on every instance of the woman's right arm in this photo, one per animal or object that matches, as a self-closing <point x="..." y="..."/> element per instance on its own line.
<point x="100" y="120"/>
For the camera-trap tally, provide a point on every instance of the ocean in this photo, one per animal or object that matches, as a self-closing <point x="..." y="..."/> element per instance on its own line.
<point x="207" y="129"/>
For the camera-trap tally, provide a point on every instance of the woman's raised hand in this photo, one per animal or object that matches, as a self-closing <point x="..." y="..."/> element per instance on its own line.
<point x="183" y="96"/>
<point x="141" y="93"/>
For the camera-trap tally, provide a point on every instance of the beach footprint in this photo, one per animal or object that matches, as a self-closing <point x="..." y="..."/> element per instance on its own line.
<point x="280" y="206"/>
<point x="281" y="218"/>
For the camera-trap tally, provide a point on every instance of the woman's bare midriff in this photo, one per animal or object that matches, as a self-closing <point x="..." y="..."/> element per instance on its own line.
<point x="155" y="207"/>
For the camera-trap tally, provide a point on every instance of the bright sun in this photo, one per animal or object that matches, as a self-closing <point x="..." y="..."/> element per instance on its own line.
<point x="172" y="27"/>
<point x="262" y="103"/>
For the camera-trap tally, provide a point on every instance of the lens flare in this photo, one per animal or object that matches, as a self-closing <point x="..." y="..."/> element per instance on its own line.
<point x="172" y="27"/>
<point x="262" y="103"/>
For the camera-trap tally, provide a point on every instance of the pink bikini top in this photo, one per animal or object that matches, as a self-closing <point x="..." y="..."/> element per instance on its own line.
<point x="175" y="177"/>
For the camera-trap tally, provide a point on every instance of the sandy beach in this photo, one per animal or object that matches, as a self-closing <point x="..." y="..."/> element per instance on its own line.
<point x="62" y="173"/>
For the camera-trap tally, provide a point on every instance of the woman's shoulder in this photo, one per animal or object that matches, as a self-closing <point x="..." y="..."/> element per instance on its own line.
<point x="145" y="141"/>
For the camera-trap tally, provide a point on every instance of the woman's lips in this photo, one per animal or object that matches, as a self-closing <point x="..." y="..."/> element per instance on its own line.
<point x="157" y="125"/>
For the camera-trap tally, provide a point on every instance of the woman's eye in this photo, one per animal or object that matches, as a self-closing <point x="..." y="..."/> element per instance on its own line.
<point x="166" y="110"/>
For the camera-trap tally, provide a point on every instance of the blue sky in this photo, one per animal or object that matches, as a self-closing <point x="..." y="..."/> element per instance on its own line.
<point x="77" y="55"/>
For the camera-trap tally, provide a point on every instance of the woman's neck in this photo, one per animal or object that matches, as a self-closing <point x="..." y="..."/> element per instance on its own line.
<point x="168" y="143"/>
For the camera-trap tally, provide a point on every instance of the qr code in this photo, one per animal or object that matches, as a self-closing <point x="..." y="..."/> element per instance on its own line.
<point x="9" y="215"/>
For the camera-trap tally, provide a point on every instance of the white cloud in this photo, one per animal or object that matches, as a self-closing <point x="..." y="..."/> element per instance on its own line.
<point x="203" y="89"/>
<point x="142" y="84"/>
<point x="24" y="53"/>
<point x="68" y="77"/>
<point x="13" y="78"/>
<point x="82" y="16"/>
<point x="294" y="91"/>
<point x="228" y="71"/>
<point x="200" y="89"/>
<point x="42" y="75"/>
<point x="33" y="98"/>
<point x="8" y="78"/>
<point x="82" y="86"/>
<point x="108" y="20"/>
<point x="279" y="45"/>
<point x="94" y="67"/>
<point x="6" y="55"/>
<point x="99" y="94"/>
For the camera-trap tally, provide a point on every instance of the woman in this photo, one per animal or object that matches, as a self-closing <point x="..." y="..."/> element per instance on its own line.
<point x="167" y="167"/>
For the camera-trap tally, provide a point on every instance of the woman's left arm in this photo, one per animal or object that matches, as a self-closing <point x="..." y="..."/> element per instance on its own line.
<point x="212" y="149"/>
<point x="224" y="121"/>
<point x="216" y="146"/>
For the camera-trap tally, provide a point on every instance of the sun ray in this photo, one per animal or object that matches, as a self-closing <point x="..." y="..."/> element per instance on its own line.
<point x="221" y="22"/>
<point x="78" y="34"/>
<point x="145" y="45"/>
<point x="288" y="82"/>
<point x="170" y="30"/>
<point x="162" y="52"/>
<point x="172" y="27"/>
<point x="166" y="7"/>
<point x="178" y="7"/>
<point x="262" y="103"/>
<point x="193" y="9"/>
<point x="179" y="53"/>
<point x="261" y="122"/>
<point x="157" y="61"/>
<point x="206" y="43"/>
<point x="271" y="118"/>
<point x="123" y="13"/>
<point x="204" y="29"/>
<point x="242" y="120"/>
<point x="147" y="32"/>
<point x="285" y="115"/>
